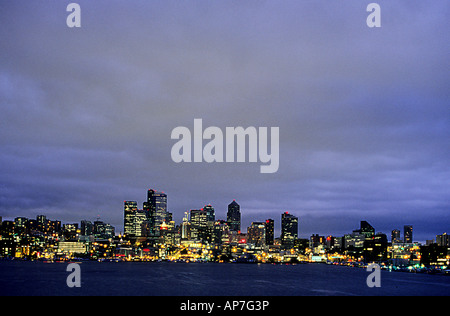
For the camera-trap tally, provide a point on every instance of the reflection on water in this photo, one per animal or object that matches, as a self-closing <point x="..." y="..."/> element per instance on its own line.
<point x="181" y="279"/>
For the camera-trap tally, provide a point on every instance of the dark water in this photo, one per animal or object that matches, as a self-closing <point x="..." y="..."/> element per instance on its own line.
<point x="180" y="279"/>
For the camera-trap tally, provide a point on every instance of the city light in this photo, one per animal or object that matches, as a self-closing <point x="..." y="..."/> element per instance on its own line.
<point x="152" y="235"/>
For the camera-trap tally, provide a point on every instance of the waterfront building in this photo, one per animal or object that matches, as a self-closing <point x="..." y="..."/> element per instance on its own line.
<point x="71" y="232"/>
<point x="156" y="210"/>
<point x="130" y="209"/>
<point x="289" y="230"/>
<point x="234" y="216"/>
<point x="202" y="223"/>
<point x="408" y="233"/>
<point x="365" y="229"/>
<point x="395" y="236"/>
<point x="443" y="240"/>
<point x="86" y="228"/>
<point x="186" y="227"/>
<point x="103" y="230"/>
<point x="270" y="231"/>
<point x="256" y="234"/>
<point x="221" y="233"/>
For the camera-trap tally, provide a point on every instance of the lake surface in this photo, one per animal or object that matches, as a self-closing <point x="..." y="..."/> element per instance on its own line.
<point x="211" y="279"/>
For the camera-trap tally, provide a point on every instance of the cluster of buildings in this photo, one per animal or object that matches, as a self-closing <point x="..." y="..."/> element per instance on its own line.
<point x="150" y="233"/>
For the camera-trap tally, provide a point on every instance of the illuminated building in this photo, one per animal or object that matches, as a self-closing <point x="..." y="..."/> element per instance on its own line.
<point x="289" y="230"/>
<point x="156" y="210"/>
<point x="256" y="234"/>
<point x="7" y="243"/>
<point x="221" y="233"/>
<point x="315" y="241"/>
<point x="234" y="216"/>
<point x="20" y="225"/>
<point x="366" y="229"/>
<point x="442" y="240"/>
<point x="103" y="230"/>
<point x="130" y="210"/>
<point x="202" y="223"/>
<point x="408" y="233"/>
<point x="72" y="248"/>
<point x="186" y="227"/>
<point x="87" y="228"/>
<point x="395" y="236"/>
<point x="70" y="232"/>
<point x="270" y="234"/>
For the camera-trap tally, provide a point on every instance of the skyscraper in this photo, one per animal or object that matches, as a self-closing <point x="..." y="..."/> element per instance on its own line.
<point x="395" y="236"/>
<point x="234" y="216"/>
<point x="367" y="230"/>
<point x="289" y="230"/>
<point x="442" y="240"/>
<point x="256" y="234"/>
<point x="156" y="210"/>
<point x="270" y="226"/>
<point x="186" y="227"/>
<point x="408" y="233"/>
<point x="202" y="223"/>
<point x="129" y="212"/>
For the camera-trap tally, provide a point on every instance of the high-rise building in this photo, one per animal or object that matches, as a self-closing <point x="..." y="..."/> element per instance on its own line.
<point x="70" y="232"/>
<point x="367" y="230"/>
<point x="130" y="209"/>
<point x="87" y="228"/>
<point x="210" y="214"/>
<point x="156" y="210"/>
<point x="202" y="223"/>
<point x="103" y="230"/>
<point x="443" y="240"/>
<point x="234" y="216"/>
<point x="20" y="225"/>
<point x="270" y="234"/>
<point x="408" y="234"/>
<point x="221" y="233"/>
<point x="256" y="234"/>
<point x="395" y="236"/>
<point x="186" y="227"/>
<point x="289" y="230"/>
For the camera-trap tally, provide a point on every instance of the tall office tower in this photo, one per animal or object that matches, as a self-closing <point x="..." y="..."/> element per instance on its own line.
<point x="87" y="228"/>
<point x="367" y="230"/>
<point x="256" y="234"/>
<point x="156" y="210"/>
<point x="442" y="240"/>
<point x="103" y="230"/>
<point x="210" y="214"/>
<point x="198" y="223"/>
<point x="395" y="236"/>
<point x="289" y="230"/>
<point x="221" y="233"/>
<point x="234" y="216"/>
<point x="129" y="212"/>
<point x="186" y="227"/>
<point x="41" y="223"/>
<point x="270" y="227"/>
<point x="202" y="223"/>
<point x="20" y="225"/>
<point x="408" y="234"/>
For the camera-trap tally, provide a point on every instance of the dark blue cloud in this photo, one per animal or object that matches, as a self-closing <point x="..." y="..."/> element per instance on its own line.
<point x="86" y="114"/>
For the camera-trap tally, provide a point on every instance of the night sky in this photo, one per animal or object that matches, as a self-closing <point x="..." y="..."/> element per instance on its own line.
<point x="86" y="114"/>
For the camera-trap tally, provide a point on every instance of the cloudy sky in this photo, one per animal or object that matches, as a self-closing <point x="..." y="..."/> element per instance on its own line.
<point x="86" y="114"/>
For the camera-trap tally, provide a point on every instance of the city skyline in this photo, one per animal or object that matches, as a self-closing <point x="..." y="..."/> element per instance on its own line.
<point x="87" y="113"/>
<point x="404" y="233"/>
